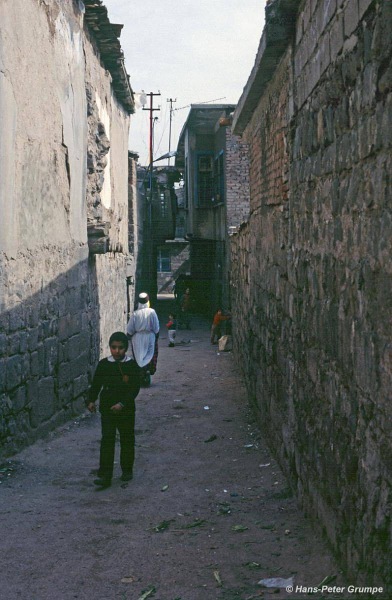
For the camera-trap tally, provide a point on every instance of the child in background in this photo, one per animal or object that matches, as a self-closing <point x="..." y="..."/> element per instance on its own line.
<point x="216" y="329"/>
<point x="171" y="329"/>
<point x="116" y="382"/>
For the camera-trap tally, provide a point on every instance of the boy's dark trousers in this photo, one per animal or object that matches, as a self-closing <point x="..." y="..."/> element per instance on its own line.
<point x="125" y="424"/>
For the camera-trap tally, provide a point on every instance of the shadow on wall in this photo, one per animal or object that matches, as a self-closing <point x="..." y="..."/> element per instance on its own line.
<point x="49" y="345"/>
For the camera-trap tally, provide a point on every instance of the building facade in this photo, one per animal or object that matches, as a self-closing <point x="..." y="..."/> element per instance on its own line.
<point x="157" y="209"/>
<point x="215" y="167"/>
<point x="64" y="121"/>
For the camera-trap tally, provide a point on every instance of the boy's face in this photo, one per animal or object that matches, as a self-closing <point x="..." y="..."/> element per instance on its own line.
<point x="117" y="350"/>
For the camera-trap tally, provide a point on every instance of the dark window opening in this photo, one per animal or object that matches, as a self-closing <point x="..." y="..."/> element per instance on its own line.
<point x="164" y="261"/>
<point x="205" y="180"/>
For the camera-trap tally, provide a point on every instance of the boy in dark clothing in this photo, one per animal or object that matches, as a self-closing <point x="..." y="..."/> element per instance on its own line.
<point x="117" y="383"/>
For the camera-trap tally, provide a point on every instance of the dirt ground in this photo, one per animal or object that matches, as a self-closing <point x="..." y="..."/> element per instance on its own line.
<point x="207" y="516"/>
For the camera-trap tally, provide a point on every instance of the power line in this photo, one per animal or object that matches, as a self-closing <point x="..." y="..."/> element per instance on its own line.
<point x="206" y="102"/>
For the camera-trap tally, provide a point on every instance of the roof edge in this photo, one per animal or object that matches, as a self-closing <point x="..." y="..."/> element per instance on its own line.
<point x="106" y="35"/>
<point x="280" y="21"/>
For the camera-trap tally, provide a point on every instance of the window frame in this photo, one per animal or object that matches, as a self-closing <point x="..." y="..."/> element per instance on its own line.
<point x="209" y="202"/>
<point x="161" y="259"/>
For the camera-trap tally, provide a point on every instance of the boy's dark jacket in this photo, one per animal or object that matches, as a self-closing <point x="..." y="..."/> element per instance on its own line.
<point x="115" y="382"/>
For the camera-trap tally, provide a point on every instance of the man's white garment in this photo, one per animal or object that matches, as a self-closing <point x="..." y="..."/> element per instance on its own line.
<point x="142" y="328"/>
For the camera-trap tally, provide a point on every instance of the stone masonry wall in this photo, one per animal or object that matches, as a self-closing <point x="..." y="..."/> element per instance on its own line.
<point x="58" y="301"/>
<point x="311" y="274"/>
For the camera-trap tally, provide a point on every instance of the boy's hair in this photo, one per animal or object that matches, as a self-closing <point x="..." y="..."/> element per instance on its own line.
<point x="119" y="336"/>
<point x="172" y="315"/>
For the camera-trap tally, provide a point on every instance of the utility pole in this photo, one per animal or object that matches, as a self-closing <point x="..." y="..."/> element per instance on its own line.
<point x="151" y="109"/>
<point x="170" y="122"/>
<point x="151" y="271"/>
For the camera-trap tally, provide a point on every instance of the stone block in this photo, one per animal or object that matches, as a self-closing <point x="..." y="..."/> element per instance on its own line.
<point x="32" y="390"/>
<point x="13" y="344"/>
<point x="64" y="327"/>
<point x="363" y="5"/>
<point x="329" y="8"/>
<point x="19" y="399"/>
<point x="79" y="365"/>
<point x="307" y="14"/>
<point x="65" y="394"/>
<point x="32" y="340"/>
<point x="325" y="53"/>
<point x="41" y="358"/>
<point x="336" y="37"/>
<point x="16" y="319"/>
<point x="75" y="323"/>
<point x="34" y="364"/>
<point x="80" y="385"/>
<point x="50" y="355"/>
<point x="77" y="345"/>
<point x="3" y="372"/>
<point x="42" y="408"/>
<point x="299" y="29"/>
<point x="3" y="344"/>
<point x="64" y="374"/>
<point x="351" y="17"/>
<point x="33" y="315"/>
<point x="14" y="371"/>
<point x="23" y="342"/>
<point x="4" y="318"/>
<point x="369" y="86"/>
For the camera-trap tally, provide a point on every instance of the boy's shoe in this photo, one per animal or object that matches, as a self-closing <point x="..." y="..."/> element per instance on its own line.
<point x="171" y="345"/>
<point x="146" y="379"/>
<point x="103" y="482"/>
<point x="126" y="476"/>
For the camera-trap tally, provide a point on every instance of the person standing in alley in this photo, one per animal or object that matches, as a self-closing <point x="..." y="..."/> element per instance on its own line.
<point x="117" y="383"/>
<point x="143" y="331"/>
<point x="171" y="329"/>
<point x="216" y="328"/>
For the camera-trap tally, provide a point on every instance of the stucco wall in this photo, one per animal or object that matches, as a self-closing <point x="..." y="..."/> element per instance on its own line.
<point x="58" y="302"/>
<point x="43" y="157"/>
<point x="312" y="272"/>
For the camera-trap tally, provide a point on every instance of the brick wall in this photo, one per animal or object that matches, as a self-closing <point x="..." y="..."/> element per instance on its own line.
<point x="311" y="273"/>
<point x="237" y="180"/>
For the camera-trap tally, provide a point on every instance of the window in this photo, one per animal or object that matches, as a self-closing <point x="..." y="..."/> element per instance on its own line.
<point x="205" y="180"/>
<point x="219" y="179"/>
<point x="180" y="227"/>
<point x="164" y="261"/>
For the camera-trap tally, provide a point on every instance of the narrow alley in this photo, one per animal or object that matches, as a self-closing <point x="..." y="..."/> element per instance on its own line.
<point x="207" y="516"/>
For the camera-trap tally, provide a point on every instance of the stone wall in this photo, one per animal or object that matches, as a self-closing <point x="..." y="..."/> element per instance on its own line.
<point x="59" y="300"/>
<point x="311" y="270"/>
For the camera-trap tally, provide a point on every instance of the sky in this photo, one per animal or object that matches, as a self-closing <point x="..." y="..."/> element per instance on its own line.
<point x="192" y="51"/>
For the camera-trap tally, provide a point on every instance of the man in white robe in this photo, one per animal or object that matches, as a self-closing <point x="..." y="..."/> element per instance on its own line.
<point x="142" y="330"/>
